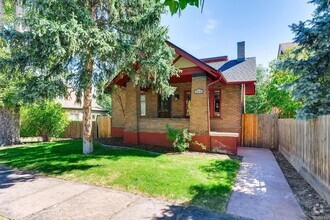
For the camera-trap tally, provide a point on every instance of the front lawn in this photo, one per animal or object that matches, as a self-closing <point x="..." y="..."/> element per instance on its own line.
<point x="197" y="180"/>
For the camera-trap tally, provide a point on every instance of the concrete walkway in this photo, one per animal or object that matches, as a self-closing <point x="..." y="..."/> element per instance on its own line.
<point x="26" y="196"/>
<point x="261" y="191"/>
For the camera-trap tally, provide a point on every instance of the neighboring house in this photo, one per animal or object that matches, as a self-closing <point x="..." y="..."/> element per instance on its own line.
<point x="283" y="47"/>
<point x="75" y="109"/>
<point x="209" y="101"/>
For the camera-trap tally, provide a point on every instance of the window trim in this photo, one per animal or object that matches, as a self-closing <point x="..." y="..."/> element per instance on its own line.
<point x="212" y="91"/>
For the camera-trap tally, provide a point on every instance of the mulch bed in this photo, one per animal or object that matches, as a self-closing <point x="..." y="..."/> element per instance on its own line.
<point x="117" y="141"/>
<point x="313" y="205"/>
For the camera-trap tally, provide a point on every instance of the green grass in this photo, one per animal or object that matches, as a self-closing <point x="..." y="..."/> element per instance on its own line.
<point x="201" y="181"/>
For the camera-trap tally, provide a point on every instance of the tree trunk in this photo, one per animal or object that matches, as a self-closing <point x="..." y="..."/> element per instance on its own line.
<point x="87" y="116"/>
<point x="9" y="126"/>
<point x="2" y="12"/>
<point x="45" y="137"/>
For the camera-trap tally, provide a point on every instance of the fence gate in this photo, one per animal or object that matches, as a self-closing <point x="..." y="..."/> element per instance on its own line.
<point x="260" y="130"/>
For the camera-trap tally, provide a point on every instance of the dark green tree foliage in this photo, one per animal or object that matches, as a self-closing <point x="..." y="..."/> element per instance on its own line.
<point x="313" y="68"/>
<point x="82" y="43"/>
<point x="45" y="118"/>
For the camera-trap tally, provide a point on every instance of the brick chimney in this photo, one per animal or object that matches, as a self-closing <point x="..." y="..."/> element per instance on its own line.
<point x="241" y="50"/>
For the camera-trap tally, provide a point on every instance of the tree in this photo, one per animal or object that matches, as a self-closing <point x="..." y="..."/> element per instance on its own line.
<point x="176" y="6"/>
<point x="279" y="95"/>
<point x="258" y="103"/>
<point x="310" y="62"/>
<point x="45" y="118"/>
<point x="271" y="93"/>
<point x="9" y="101"/>
<point x="82" y="43"/>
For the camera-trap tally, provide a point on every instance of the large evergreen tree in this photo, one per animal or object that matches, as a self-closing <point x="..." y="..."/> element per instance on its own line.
<point x="311" y="62"/>
<point x="83" y="43"/>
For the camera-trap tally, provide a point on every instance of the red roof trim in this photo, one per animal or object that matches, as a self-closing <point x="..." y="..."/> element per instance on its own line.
<point x="194" y="60"/>
<point x="214" y="59"/>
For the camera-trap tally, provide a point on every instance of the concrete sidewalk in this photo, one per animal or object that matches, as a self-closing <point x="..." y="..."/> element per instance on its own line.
<point x="261" y="191"/>
<point x="26" y="196"/>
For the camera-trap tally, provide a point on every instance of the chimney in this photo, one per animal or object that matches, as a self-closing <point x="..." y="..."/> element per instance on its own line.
<point x="241" y="51"/>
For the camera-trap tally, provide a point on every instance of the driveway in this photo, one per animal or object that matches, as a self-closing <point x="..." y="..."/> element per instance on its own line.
<point x="261" y="191"/>
<point x="28" y="196"/>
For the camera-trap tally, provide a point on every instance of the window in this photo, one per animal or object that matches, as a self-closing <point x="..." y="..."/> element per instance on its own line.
<point x="215" y="103"/>
<point x="187" y="99"/>
<point x="164" y="107"/>
<point x="143" y="105"/>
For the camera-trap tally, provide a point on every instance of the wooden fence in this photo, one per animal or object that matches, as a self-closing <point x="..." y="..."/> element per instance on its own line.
<point x="260" y="130"/>
<point x="101" y="128"/>
<point x="304" y="143"/>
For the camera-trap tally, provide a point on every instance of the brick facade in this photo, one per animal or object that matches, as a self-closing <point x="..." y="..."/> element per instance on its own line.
<point x="118" y="109"/>
<point x="231" y="109"/>
<point x="135" y="128"/>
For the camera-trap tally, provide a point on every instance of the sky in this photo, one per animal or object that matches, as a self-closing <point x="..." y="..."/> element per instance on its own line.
<point x="262" y="24"/>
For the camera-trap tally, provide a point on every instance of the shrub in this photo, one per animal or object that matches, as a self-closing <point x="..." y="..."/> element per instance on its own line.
<point x="45" y="118"/>
<point x="181" y="138"/>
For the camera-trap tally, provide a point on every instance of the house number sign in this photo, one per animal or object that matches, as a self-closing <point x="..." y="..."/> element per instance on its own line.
<point x="199" y="91"/>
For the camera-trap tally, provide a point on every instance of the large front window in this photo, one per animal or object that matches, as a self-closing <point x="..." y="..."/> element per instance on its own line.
<point x="164" y="107"/>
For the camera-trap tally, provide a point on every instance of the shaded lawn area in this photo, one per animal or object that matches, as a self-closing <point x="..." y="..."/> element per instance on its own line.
<point x="201" y="181"/>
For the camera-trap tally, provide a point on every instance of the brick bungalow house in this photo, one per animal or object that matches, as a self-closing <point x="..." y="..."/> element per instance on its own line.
<point x="209" y="101"/>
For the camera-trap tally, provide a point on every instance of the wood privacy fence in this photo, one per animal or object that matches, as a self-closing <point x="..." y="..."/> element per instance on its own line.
<point x="101" y="128"/>
<point x="304" y="143"/>
<point x="260" y="130"/>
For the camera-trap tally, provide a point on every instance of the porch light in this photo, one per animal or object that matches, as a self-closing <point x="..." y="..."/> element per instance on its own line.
<point x="177" y="97"/>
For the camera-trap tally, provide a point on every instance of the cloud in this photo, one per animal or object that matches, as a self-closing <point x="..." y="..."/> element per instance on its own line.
<point x="210" y="26"/>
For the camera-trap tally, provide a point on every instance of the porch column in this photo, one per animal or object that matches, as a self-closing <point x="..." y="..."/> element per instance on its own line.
<point x="199" y="116"/>
<point x="131" y="115"/>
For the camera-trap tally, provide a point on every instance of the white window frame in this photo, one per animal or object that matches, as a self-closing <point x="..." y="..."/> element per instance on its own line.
<point x="143" y="105"/>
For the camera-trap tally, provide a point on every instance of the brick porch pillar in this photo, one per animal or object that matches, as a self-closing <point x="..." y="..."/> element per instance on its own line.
<point x="131" y="115"/>
<point x="199" y="123"/>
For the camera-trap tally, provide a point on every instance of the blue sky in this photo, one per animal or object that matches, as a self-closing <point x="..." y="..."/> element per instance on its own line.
<point x="262" y="24"/>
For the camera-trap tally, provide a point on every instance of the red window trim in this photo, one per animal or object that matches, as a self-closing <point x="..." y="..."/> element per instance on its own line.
<point x="212" y="103"/>
<point x="184" y="102"/>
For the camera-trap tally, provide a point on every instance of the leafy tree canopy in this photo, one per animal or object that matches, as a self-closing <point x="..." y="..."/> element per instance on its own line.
<point x="272" y="94"/>
<point x="312" y="69"/>
<point x="45" y="118"/>
<point x="176" y="6"/>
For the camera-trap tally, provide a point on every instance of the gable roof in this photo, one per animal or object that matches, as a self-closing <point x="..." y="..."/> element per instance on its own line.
<point x="237" y="71"/>
<point x="194" y="60"/>
<point x="70" y="103"/>
<point x="285" y="46"/>
<point x="219" y="68"/>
